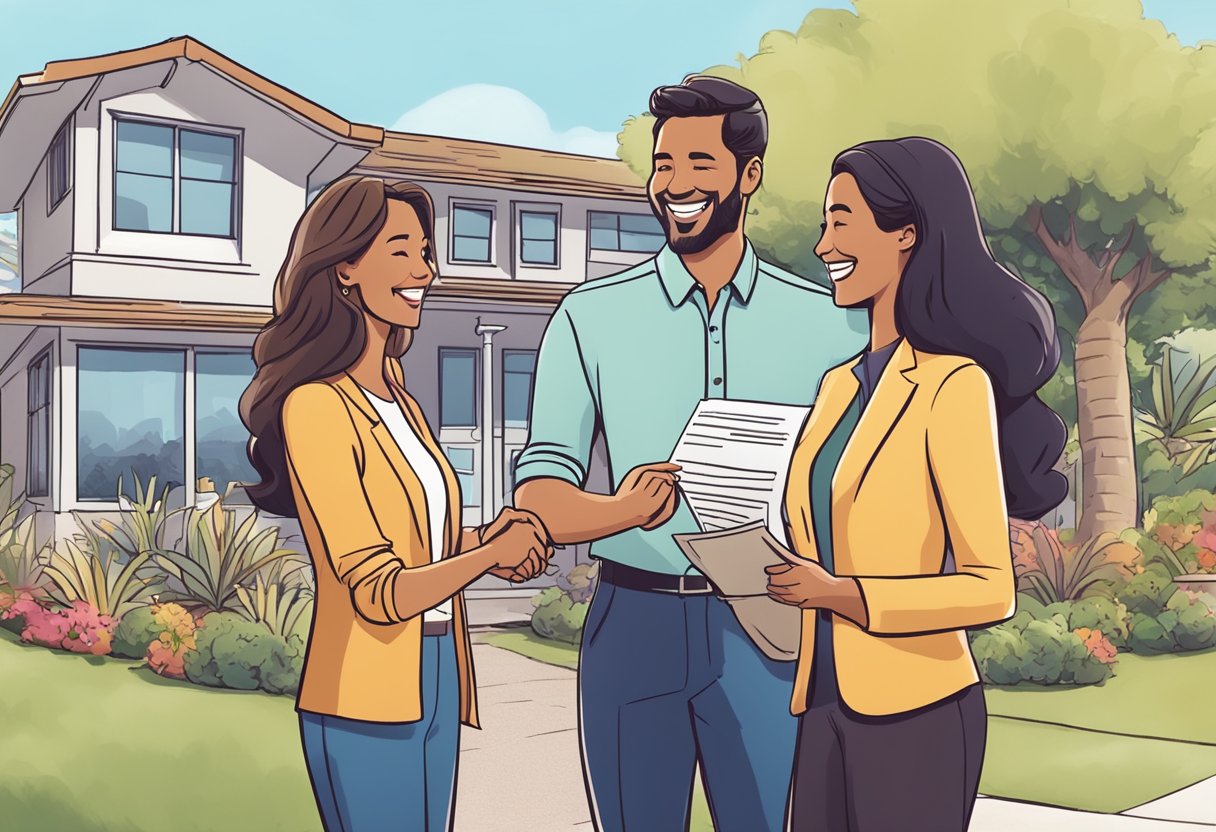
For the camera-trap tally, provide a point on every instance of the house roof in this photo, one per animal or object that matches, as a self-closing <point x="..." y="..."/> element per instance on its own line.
<point x="56" y="310"/>
<point x="58" y="72"/>
<point x="404" y="154"/>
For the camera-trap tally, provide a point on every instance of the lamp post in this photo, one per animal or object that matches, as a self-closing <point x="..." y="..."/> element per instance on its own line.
<point x="489" y="496"/>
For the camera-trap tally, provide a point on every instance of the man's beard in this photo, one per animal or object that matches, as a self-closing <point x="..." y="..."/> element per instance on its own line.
<point x="723" y="220"/>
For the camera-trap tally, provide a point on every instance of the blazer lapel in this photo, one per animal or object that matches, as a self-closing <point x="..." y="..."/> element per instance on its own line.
<point x="883" y="411"/>
<point x="397" y="461"/>
<point x="837" y="391"/>
<point x="417" y="419"/>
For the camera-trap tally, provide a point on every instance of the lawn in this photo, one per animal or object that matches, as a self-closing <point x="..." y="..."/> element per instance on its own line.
<point x="1102" y="748"/>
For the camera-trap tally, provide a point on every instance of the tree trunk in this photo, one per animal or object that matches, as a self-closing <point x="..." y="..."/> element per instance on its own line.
<point x="1104" y="426"/>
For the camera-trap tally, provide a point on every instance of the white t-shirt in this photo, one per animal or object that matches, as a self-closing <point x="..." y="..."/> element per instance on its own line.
<point x="433" y="484"/>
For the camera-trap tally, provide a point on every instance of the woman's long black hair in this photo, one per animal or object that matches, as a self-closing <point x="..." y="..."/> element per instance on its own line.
<point x="954" y="298"/>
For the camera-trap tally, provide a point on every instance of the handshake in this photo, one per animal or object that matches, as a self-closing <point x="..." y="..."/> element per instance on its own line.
<point x="520" y="544"/>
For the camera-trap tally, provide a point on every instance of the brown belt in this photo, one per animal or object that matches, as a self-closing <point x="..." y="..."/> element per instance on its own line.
<point x="436" y="628"/>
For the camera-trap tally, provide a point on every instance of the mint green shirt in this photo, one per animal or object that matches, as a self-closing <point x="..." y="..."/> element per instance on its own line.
<point x="632" y="354"/>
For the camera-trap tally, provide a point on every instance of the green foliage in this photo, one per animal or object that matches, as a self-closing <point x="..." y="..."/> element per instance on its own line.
<point x="233" y="652"/>
<point x="84" y="568"/>
<point x="1149" y="592"/>
<point x="558" y="616"/>
<point x="1109" y="616"/>
<point x="217" y="555"/>
<point x="1043" y="651"/>
<point x="1150" y="635"/>
<point x="1181" y="418"/>
<point x="135" y="632"/>
<point x="1050" y="572"/>
<point x="22" y="561"/>
<point x="1181" y="510"/>
<point x="276" y="601"/>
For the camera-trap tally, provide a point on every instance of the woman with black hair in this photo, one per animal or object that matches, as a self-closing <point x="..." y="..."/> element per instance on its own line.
<point x="914" y="457"/>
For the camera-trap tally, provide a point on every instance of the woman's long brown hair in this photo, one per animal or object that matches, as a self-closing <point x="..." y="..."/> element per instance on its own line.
<point x="316" y="332"/>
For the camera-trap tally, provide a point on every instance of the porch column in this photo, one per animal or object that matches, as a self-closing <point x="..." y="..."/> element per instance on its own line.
<point x="489" y="467"/>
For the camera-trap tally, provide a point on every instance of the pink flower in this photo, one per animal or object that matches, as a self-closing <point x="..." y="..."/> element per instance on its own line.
<point x="1206" y="538"/>
<point x="80" y="629"/>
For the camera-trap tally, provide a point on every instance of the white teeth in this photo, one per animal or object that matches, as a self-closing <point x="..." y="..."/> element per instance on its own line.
<point x="414" y="295"/>
<point x="841" y="270"/>
<point x="687" y="211"/>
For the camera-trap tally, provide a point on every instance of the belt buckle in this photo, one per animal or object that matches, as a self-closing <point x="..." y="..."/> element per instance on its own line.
<point x="682" y="588"/>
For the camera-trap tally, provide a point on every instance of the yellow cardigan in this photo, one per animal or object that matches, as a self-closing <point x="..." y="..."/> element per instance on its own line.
<point x="922" y="468"/>
<point x="363" y="515"/>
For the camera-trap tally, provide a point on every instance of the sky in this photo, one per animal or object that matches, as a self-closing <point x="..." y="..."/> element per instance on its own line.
<point x="557" y="74"/>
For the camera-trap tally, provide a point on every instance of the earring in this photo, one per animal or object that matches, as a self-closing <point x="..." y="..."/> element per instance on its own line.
<point x="346" y="290"/>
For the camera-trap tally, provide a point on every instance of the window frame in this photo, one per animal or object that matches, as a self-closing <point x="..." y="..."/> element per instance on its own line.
<point x="554" y="211"/>
<point x="472" y="205"/>
<point x="192" y="397"/>
<point x="616" y="215"/>
<point x="43" y="411"/>
<point x="503" y="385"/>
<point x="477" y="370"/>
<point x="238" y="174"/>
<point x="63" y="139"/>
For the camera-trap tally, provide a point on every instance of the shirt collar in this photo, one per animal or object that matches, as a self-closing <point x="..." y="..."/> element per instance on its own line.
<point x="678" y="283"/>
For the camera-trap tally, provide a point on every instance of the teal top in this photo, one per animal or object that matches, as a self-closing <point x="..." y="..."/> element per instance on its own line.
<point x="631" y="355"/>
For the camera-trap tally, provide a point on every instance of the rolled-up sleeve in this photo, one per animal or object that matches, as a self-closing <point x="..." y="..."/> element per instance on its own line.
<point x="563" y="418"/>
<point x="324" y="455"/>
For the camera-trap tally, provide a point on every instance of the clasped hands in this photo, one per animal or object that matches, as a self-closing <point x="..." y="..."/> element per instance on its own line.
<point x="521" y="543"/>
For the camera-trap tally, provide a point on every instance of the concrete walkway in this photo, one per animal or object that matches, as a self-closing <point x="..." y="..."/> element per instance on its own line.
<point x="522" y="773"/>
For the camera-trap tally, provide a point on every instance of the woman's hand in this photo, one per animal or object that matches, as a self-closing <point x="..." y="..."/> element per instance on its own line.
<point x="807" y="585"/>
<point x="520" y="543"/>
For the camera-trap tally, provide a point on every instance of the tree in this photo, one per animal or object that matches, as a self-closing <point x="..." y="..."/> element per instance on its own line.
<point x="1088" y="135"/>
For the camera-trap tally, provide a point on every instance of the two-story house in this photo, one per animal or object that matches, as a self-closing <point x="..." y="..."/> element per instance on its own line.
<point x="156" y="190"/>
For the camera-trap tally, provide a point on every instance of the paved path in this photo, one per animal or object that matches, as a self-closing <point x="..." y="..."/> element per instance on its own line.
<point x="521" y="773"/>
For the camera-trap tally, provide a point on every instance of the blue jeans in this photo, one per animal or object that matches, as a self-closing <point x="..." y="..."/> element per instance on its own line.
<point x="665" y="681"/>
<point x="377" y="777"/>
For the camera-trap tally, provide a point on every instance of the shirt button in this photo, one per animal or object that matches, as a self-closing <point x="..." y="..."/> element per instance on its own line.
<point x="718" y="380"/>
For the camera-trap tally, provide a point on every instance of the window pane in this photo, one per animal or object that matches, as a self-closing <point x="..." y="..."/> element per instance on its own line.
<point x="470" y="222"/>
<point x="631" y="241"/>
<point x="604" y="239"/>
<point x="642" y="223"/>
<point x="600" y="219"/>
<point x="536" y="251"/>
<point x="130" y="419"/>
<point x="142" y="203"/>
<point x="457" y="388"/>
<point x="219" y="436"/>
<point x="462" y="462"/>
<point x="536" y="226"/>
<point x="517" y="372"/>
<point x="208" y="156"/>
<point x="206" y="208"/>
<point x="144" y="148"/>
<point x="471" y="248"/>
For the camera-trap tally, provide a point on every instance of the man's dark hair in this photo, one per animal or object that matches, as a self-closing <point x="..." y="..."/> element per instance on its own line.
<point x="745" y="128"/>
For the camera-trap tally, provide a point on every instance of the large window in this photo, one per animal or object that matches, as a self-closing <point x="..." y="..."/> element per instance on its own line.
<point x="131" y="419"/>
<point x="219" y="436"/>
<point x="38" y="425"/>
<point x="171" y="179"/>
<point x="538" y="238"/>
<point x="59" y="167"/>
<point x="518" y="368"/>
<point x="463" y="463"/>
<point x="626" y="232"/>
<point x="472" y="232"/>
<point x="457" y="388"/>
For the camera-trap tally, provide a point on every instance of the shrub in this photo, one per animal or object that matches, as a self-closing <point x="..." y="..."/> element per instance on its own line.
<point x="1148" y="592"/>
<point x="1194" y="622"/>
<point x="173" y="642"/>
<point x="233" y="652"/>
<point x="278" y="600"/>
<point x="1107" y="616"/>
<point x="87" y="569"/>
<point x="1150" y="635"/>
<point x="1051" y="571"/>
<point x="559" y="617"/>
<point x="15" y="608"/>
<point x="1043" y="651"/>
<point x="135" y="632"/>
<point x="81" y="628"/>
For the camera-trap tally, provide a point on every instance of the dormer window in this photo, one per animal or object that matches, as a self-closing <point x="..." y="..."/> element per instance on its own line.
<point x="59" y="168"/>
<point x="170" y="179"/>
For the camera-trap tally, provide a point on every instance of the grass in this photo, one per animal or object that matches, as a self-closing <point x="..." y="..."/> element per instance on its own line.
<point x="1143" y="734"/>
<point x="94" y="746"/>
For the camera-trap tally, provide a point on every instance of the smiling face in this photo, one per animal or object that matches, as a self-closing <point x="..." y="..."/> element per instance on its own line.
<point x="696" y="188"/>
<point x="394" y="274"/>
<point x="863" y="261"/>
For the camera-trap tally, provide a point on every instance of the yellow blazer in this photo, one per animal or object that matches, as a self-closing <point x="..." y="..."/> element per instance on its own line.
<point x="922" y="468"/>
<point x="362" y="512"/>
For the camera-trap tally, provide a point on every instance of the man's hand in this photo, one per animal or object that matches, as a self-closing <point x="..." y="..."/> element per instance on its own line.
<point x="514" y="523"/>
<point x="648" y="494"/>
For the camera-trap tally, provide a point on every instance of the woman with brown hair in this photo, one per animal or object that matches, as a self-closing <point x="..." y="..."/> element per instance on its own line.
<point x="340" y="444"/>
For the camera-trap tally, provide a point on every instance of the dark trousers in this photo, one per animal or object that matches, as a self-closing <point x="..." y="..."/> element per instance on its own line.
<point x="665" y="682"/>
<point x="914" y="771"/>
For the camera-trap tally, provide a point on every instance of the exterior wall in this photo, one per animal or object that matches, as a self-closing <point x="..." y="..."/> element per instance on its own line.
<point x="46" y="231"/>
